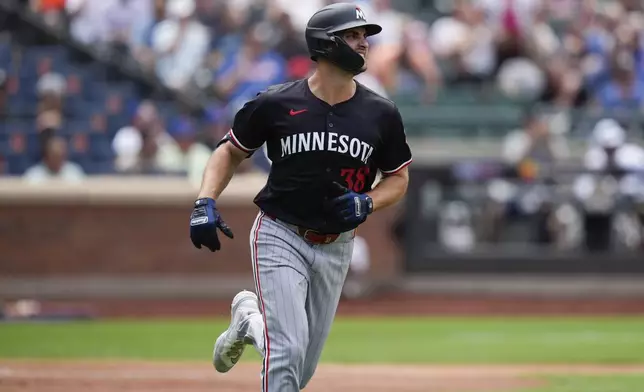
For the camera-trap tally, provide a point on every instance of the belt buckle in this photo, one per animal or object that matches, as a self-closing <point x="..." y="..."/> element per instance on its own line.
<point x="318" y="238"/>
<point x="306" y="234"/>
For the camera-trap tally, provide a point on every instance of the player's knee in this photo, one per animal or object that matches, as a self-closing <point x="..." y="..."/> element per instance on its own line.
<point x="289" y="357"/>
<point x="295" y="354"/>
<point x="286" y="363"/>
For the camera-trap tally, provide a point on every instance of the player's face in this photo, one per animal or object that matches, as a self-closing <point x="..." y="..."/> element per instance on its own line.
<point x="357" y="39"/>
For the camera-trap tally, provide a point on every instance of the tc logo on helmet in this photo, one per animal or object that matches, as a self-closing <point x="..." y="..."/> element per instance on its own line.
<point x="360" y="14"/>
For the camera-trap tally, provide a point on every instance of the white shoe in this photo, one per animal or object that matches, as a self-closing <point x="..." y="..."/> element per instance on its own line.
<point x="230" y="345"/>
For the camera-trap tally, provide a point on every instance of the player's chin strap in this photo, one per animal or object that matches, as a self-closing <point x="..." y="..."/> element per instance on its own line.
<point x="339" y="52"/>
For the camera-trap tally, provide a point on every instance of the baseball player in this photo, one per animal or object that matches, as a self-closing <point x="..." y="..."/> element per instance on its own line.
<point x="327" y="137"/>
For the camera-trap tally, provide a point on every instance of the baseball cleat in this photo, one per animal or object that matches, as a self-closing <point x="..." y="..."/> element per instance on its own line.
<point x="230" y="345"/>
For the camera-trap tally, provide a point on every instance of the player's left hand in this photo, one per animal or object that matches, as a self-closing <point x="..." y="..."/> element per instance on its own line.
<point x="204" y="223"/>
<point x="350" y="206"/>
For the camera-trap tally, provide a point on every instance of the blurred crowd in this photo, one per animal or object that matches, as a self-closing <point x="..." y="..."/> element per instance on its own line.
<point x="567" y="53"/>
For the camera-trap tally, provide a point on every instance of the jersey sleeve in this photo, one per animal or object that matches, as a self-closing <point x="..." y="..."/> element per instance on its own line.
<point x="396" y="154"/>
<point x="249" y="130"/>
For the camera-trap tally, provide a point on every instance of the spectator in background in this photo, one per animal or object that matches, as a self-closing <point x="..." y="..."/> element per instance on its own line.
<point x="48" y="124"/>
<point x="54" y="164"/>
<point x="300" y="11"/>
<point x="127" y="144"/>
<point x="147" y="158"/>
<point x="292" y="47"/>
<point x="51" y="90"/>
<point x="184" y="154"/>
<point x="126" y="23"/>
<point x="180" y="43"/>
<point x="467" y="42"/>
<point x="511" y="22"/>
<point x="535" y="143"/>
<point x="250" y="68"/>
<point x="401" y="58"/>
<point x="87" y="20"/>
<point x="51" y="10"/>
<point x="624" y="90"/>
<point x="135" y="146"/>
<point x="142" y="46"/>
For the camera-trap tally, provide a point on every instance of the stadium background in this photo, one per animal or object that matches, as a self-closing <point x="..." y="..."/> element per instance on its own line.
<point x="129" y="98"/>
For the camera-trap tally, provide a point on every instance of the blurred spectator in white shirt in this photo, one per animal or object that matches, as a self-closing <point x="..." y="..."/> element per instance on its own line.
<point x="129" y="141"/>
<point x="467" y="41"/>
<point x="87" y="20"/>
<point x="127" y="22"/>
<point x="400" y="56"/>
<point x="184" y="154"/>
<point x="535" y="143"/>
<point x="54" y="164"/>
<point x="180" y="43"/>
<point x="51" y="89"/>
<point x="300" y="11"/>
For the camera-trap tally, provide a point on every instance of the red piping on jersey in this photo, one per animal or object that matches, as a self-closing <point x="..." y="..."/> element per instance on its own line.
<point x="236" y="142"/>
<point x="399" y="168"/>
<point x="261" y="301"/>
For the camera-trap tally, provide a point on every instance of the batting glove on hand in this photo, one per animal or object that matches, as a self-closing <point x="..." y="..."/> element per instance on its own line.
<point x="204" y="222"/>
<point x="350" y="206"/>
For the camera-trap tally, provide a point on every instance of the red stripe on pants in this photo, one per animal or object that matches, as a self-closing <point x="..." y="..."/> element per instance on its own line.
<point x="261" y="301"/>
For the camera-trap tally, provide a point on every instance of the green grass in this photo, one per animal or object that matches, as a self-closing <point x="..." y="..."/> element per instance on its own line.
<point x="361" y="340"/>
<point x="622" y="383"/>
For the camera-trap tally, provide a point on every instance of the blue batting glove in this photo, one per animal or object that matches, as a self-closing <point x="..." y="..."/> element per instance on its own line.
<point x="204" y="222"/>
<point x="350" y="206"/>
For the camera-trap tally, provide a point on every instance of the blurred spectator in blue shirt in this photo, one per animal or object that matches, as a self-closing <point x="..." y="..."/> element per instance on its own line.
<point x="625" y="90"/>
<point x="250" y="68"/>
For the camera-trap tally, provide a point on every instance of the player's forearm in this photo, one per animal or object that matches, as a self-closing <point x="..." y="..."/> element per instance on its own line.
<point x="389" y="190"/>
<point x="219" y="171"/>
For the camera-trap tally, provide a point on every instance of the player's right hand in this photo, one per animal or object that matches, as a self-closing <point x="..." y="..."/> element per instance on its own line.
<point x="204" y="222"/>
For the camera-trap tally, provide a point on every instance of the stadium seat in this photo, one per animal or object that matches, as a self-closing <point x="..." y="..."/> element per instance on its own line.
<point x="94" y="167"/>
<point x="20" y="126"/>
<point x="100" y="147"/>
<point x="78" y="146"/>
<point x="38" y="60"/>
<point x="5" y="55"/>
<point x="17" y="164"/>
<point x="21" y="108"/>
<point x="22" y="88"/>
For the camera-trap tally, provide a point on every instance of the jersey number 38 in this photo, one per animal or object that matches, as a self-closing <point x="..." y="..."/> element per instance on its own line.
<point x="356" y="179"/>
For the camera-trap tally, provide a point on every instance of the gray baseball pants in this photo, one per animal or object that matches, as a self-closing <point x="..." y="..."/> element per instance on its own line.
<point x="298" y="285"/>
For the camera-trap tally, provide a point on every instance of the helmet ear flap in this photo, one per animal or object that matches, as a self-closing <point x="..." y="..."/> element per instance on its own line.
<point x="334" y="48"/>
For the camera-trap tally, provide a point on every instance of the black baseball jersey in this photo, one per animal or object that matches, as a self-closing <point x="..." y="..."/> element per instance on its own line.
<point x="311" y="144"/>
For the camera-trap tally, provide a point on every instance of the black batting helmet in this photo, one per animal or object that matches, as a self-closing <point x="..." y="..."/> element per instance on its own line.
<point x="323" y="39"/>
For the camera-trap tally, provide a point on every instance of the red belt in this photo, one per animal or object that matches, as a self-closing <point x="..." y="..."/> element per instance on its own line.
<point x="312" y="236"/>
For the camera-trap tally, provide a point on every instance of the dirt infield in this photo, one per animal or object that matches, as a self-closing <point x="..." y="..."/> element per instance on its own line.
<point x="103" y="376"/>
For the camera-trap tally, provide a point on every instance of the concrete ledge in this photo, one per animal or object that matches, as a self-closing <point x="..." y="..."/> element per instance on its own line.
<point x="88" y="287"/>
<point x="546" y="286"/>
